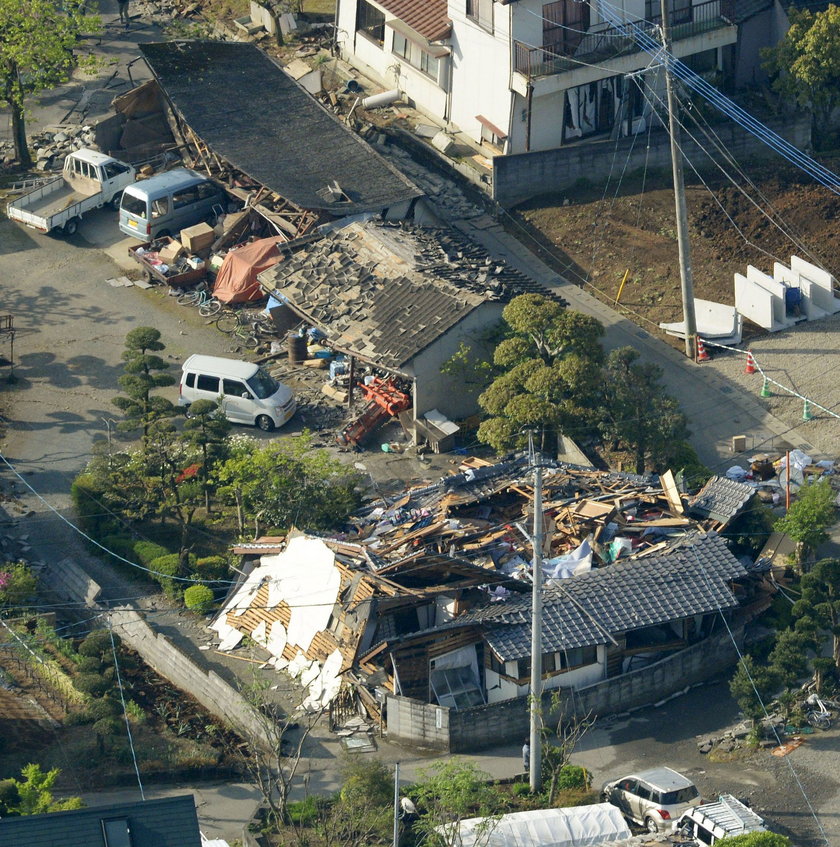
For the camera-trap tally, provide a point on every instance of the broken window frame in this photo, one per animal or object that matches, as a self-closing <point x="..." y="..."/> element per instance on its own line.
<point x="370" y="22"/>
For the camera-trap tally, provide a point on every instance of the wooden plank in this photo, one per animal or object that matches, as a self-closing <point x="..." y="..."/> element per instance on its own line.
<point x="669" y="486"/>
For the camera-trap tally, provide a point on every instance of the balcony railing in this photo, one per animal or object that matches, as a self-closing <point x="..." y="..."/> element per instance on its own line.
<point x="603" y="42"/>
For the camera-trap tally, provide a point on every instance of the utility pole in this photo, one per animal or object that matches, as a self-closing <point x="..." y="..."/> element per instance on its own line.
<point x="396" y="805"/>
<point x="686" y="277"/>
<point x="535" y="737"/>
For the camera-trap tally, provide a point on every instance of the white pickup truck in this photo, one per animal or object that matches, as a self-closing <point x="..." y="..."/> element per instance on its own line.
<point x="89" y="180"/>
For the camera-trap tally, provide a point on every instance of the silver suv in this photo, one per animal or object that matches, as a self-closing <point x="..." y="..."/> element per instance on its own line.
<point x="654" y="798"/>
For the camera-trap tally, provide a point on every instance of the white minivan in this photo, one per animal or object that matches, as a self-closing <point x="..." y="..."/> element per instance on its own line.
<point x="249" y="394"/>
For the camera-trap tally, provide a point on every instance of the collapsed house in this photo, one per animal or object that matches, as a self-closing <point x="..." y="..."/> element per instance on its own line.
<point x="422" y="609"/>
<point x="229" y="109"/>
<point x="400" y="298"/>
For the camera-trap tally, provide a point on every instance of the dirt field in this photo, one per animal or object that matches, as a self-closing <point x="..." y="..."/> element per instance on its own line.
<point x="601" y="233"/>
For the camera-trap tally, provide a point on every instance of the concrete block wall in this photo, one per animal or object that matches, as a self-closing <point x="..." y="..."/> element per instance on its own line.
<point x="68" y="580"/>
<point x="420" y="724"/>
<point x="507" y="722"/>
<point x="519" y="177"/>
<point x="206" y="687"/>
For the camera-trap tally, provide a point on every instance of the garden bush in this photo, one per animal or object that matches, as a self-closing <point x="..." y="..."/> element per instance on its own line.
<point x="166" y="567"/>
<point x="147" y="552"/>
<point x="199" y="598"/>
<point x="122" y="545"/>
<point x="92" y="684"/>
<point x="96" y="644"/>
<point x="574" y="777"/>
<point x="211" y="568"/>
<point x="86" y="494"/>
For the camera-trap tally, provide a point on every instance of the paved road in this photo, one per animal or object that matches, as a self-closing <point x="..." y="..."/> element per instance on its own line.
<point x="72" y="326"/>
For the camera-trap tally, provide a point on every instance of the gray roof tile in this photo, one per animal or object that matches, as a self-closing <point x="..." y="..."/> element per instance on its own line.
<point x="689" y="580"/>
<point x="720" y="499"/>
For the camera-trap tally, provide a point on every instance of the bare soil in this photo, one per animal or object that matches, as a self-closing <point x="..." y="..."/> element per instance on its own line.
<point x="596" y="234"/>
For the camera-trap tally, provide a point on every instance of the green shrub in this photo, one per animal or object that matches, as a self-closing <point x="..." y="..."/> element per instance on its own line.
<point x="135" y="712"/>
<point x="147" y="552"/>
<point x="199" y="598"/>
<point x="92" y="684"/>
<point x="17" y="583"/>
<point x="304" y="812"/>
<point x="573" y="777"/>
<point x="164" y="568"/>
<point x="86" y="494"/>
<point x="211" y="567"/>
<point x="122" y="545"/>
<point x="96" y="644"/>
<point x="104" y="707"/>
<point x="89" y="664"/>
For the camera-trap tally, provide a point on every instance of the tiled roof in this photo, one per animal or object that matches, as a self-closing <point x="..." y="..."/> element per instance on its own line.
<point x="169" y="822"/>
<point x="386" y="292"/>
<point x="250" y="112"/>
<point x="720" y="499"/>
<point x="691" y="580"/>
<point x="426" y="17"/>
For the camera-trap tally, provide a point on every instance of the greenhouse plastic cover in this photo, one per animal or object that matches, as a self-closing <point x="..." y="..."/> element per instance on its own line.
<point x="578" y="826"/>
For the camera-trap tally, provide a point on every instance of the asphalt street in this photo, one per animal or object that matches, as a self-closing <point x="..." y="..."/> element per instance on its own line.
<point x="71" y="328"/>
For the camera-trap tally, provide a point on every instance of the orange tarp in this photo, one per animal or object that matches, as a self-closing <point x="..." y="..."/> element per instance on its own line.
<point x="236" y="281"/>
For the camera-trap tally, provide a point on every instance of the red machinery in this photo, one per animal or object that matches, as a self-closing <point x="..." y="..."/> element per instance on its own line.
<point x="385" y="400"/>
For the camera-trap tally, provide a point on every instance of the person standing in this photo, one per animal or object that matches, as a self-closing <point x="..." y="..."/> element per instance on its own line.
<point x="526" y="756"/>
<point x="124" y="17"/>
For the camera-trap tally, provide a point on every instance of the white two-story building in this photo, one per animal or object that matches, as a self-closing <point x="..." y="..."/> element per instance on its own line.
<point x="524" y="75"/>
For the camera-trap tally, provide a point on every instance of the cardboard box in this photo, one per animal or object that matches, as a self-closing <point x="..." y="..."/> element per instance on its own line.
<point x="171" y="252"/>
<point x="198" y="237"/>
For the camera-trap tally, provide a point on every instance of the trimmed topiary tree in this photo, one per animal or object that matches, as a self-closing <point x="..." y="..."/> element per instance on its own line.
<point x="199" y="598"/>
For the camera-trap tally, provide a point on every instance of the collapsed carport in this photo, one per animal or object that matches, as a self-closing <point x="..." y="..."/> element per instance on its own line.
<point x="236" y="114"/>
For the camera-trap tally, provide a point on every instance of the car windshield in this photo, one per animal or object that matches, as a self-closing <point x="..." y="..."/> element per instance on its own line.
<point x="262" y="384"/>
<point x="681" y="795"/>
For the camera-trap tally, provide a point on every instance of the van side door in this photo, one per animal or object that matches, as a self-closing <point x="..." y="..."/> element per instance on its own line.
<point x="237" y="401"/>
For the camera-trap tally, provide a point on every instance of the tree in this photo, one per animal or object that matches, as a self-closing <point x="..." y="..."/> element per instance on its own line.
<point x="809" y="517"/>
<point x="17" y="584"/>
<point x="38" y="40"/>
<point x="751" y="686"/>
<point x="789" y="657"/>
<point x="820" y="601"/>
<point x="557" y="755"/>
<point x="34" y="794"/>
<point x="206" y="430"/>
<point x="272" y="754"/>
<point x="805" y="65"/>
<point x="144" y="372"/>
<point x="756" y="839"/>
<point x="548" y="365"/>
<point x="363" y="812"/>
<point x="286" y="483"/>
<point x="452" y="791"/>
<point x="637" y="412"/>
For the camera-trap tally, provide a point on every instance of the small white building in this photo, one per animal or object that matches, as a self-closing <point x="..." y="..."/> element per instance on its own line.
<point x="525" y="75"/>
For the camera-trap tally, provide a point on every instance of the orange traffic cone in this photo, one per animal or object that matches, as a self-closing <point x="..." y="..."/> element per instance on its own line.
<point x="701" y="355"/>
<point x="750" y="368"/>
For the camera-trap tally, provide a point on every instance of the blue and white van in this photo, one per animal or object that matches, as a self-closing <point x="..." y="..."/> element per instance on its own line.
<point x="167" y="203"/>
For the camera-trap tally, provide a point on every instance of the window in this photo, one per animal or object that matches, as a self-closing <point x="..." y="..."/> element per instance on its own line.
<point x="185" y="198"/>
<point x="578" y="657"/>
<point x="401" y="46"/>
<point x="429" y="64"/>
<point x="679" y="11"/>
<point x="234" y="388"/>
<point x="117" y="832"/>
<point x="113" y="169"/>
<point x="160" y="207"/>
<point x="370" y="22"/>
<point x="208" y="383"/>
<point x="206" y="190"/>
<point x="495" y="664"/>
<point x="643" y="791"/>
<point x="190" y="380"/>
<point x="564" y="25"/>
<point x="481" y="11"/>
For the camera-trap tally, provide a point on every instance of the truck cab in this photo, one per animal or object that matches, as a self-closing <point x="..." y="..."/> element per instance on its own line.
<point x="710" y="822"/>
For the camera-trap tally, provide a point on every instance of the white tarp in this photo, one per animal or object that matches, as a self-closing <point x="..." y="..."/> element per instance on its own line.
<point x="572" y="564"/>
<point x="579" y="826"/>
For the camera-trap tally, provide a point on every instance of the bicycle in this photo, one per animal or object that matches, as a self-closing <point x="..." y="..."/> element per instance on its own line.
<point x="818" y="715"/>
<point x="200" y="296"/>
<point x="245" y="323"/>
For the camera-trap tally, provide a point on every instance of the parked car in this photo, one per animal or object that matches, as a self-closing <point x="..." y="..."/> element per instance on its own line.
<point x="653" y="798"/>
<point x="169" y="202"/>
<point x="89" y="180"/>
<point x="248" y="394"/>
<point x="710" y="822"/>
